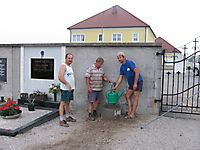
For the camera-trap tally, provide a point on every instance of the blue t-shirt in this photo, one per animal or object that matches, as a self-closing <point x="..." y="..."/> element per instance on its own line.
<point x="127" y="70"/>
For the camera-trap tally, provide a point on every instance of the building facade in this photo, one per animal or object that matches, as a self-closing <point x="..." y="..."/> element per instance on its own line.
<point x="171" y="54"/>
<point x="112" y="25"/>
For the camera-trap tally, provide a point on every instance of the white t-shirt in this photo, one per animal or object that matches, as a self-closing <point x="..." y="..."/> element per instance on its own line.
<point x="69" y="77"/>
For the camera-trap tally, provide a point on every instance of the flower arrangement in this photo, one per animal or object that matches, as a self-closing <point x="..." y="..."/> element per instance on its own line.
<point x="10" y="108"/>
<point x="53" y="88"/>
<point x="38" y="93"/>
<point x="38" y="96"/>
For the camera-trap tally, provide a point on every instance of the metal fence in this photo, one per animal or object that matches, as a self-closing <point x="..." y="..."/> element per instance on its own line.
<point x="181" y="88"/>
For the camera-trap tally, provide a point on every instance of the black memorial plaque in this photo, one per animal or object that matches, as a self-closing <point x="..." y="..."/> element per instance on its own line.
<point x="3" y="69"/>
<point x="42" y="68"/>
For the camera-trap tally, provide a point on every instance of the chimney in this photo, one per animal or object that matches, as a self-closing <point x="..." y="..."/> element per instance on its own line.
<point x="114" y="9"/>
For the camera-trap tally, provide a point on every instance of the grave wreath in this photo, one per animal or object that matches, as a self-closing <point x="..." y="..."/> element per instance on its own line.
<point x="10" y="109"/>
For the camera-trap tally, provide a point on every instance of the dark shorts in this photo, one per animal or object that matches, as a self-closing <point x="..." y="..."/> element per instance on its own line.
<point x="139" y="86"/>
<point x="67" y="96"/>
<point x="95" y="95"/>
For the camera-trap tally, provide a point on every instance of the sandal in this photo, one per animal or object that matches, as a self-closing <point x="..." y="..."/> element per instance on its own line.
<point x="131" y="117"/>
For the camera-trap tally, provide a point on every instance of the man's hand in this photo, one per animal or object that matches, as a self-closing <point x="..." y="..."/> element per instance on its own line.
<point x="68" y="86"/>
<point x="109" y="81"/>
<point x="134" y="87"/>
<point x="115" y="87"/>
<point x="89" y="90"/>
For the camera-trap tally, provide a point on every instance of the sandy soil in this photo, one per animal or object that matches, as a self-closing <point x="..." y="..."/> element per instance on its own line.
<point x="115" y="134"/>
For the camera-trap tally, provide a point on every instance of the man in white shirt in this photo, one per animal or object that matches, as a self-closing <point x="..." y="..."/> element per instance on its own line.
<point x="67" y="86"/>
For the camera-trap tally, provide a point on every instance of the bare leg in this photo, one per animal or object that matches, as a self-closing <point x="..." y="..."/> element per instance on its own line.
<point x="136" y="96"/>
<point x="90" y="110"/>
<point x="66" y="107"/>
<point x="96" y="103"/>
<point x="61" y="108"/>
<point x="128" y="98"/>
<point x="90" y="107"/>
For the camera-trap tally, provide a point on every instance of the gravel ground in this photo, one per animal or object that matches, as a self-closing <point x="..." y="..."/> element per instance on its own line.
<point x="115" y="134"/>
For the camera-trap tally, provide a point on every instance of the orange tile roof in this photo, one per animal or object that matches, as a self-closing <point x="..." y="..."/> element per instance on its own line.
<point x="111" y="18"/>
<point x="167" y="46"/>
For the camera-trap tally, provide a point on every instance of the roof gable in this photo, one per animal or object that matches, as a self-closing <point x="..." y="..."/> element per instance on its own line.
<point x="110" y="18"/>
<point x="167" y="46"/>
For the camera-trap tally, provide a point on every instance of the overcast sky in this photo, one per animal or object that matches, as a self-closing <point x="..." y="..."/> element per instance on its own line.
<point x="46" y="21"/>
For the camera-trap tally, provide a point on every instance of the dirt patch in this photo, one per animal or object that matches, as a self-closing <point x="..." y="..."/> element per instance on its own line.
<point x="94" y="135"/>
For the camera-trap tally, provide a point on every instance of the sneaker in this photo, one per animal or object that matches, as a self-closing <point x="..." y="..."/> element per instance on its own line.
<point x="95" y="115"/>
<point x="64" y="123"/>
<point x="126" y="115"/>
<point x="70" y="119"/>
<point x="91" y="118"/>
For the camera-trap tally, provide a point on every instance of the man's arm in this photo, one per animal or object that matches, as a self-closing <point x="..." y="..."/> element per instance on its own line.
<point x="119" y="80"/>
<point x="87" y="79"/>
<point x="106" y="79"/>
<point x="137" y="72"/>
<point x="61" y="78"/>
<point x="88" y="84"/>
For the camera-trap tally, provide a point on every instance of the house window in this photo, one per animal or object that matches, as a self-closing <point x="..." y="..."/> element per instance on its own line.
<point x="135" y="37"/>
<point x="42" y="68"/>
<point x="78" y="38"/>
<point x="100" y="37"/>
<point x="116" y="37"/>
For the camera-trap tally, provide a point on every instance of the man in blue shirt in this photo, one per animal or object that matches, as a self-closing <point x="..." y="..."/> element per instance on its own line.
<point x="129" y="70"/>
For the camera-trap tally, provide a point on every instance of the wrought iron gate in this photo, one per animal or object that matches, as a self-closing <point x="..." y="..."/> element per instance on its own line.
<point x="181" y="83"/>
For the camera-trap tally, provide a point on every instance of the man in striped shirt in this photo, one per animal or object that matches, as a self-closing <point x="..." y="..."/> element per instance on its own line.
<point x="94" y="80"/>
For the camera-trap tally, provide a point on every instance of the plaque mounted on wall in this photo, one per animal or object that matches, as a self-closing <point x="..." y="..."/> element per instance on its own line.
<point x="3" y="69"/>
<point x="42" y="68"/>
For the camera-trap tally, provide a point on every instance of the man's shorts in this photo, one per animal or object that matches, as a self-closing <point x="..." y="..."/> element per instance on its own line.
<point x="95" y="95"/>
<point x="67" y="96"/>
<point x="139" y="86"/>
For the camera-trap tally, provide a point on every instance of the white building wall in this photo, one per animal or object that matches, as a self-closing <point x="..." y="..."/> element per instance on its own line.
<point x="30" y="85"/>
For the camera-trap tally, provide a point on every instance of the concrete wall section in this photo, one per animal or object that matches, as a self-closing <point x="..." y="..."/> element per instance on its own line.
<point x="145" y="58"/>
<point x="16" y="72"/>
<point x="11" y="87"/>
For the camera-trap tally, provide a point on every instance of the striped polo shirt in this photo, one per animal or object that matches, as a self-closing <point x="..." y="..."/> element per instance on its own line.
<point x="95" y="76"/>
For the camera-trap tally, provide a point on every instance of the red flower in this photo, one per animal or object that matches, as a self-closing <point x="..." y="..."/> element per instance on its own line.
<point x="8" y="105"/>
<point x="14" y="102"/>
<point x="5" y="108"/>
<point x="9" y="100"/>
<point x="1" y="108"/>
<point x="16" y="108"/>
